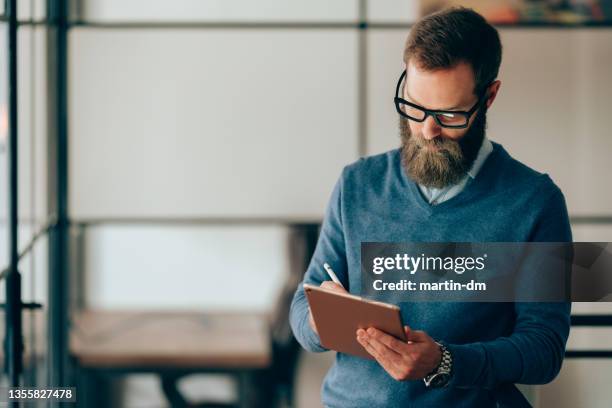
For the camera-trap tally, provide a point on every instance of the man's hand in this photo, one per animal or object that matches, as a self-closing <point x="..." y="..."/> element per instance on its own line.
<point x="411" y="360"/>
<point x="329" y="285"/>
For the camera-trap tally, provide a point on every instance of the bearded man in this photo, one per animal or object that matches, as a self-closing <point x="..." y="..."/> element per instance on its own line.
<point x="447" y="183"/>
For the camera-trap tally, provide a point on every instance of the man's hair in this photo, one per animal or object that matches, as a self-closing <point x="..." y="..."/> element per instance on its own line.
<point x="446" y="38"/>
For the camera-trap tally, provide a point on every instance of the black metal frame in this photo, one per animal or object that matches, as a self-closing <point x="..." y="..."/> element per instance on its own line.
<point x="58" y="187"/>
<point x="13" y="341"/>
<point x="435" y="113"/>
<point x="591" y="321"/>
<point x="56" y="226"/>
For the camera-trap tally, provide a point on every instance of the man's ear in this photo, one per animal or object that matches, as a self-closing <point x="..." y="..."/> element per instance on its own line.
<point x="493" y="90"/>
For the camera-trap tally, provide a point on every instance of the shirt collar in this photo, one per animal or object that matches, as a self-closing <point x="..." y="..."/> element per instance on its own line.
<point x="485" y="149"/>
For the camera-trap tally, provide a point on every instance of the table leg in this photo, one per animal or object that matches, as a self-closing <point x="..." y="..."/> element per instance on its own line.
<point x="171" y="391"/>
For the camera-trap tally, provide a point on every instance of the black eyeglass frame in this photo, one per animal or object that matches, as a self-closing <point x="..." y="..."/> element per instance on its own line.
<point x="435" y="113"/>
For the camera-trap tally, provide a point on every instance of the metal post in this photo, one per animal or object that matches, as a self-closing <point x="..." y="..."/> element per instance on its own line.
<point x="13" y="345"/>
<point x="58" y="197"/>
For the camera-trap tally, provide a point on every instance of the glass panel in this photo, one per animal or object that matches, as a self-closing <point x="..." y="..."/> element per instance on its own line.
<point x="198" y="155"/>
<point x="32" y="198"/>
<point x="216" y="10"/>
<point x="4" y="261"/>
<point x="392" y="11"/>
<point x="32" y="131"/>
<point x="383" y="65"/>
<point x="119" y="259"/>
<point x="32" y="190"/>
<point x="34" y="285"/>
<point x="31" y="10"/>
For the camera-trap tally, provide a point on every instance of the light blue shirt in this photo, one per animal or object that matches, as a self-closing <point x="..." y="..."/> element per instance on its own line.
<point x="439" y="195"/>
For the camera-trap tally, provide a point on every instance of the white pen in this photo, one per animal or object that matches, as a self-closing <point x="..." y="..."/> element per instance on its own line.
<point x="331" y="274"/>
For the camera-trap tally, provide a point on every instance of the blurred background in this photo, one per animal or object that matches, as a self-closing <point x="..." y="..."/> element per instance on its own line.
<point x="174" y="160"/>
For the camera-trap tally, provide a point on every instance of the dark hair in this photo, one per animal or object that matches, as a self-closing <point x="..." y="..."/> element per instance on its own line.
<point x="454" y="35"/>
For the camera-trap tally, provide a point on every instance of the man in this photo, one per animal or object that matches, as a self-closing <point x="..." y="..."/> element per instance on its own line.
<point x="447" y="183"/>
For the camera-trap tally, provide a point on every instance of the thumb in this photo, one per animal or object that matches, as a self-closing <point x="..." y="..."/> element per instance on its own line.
<point x="413" y="336"/>
<point x="408" y="332"/>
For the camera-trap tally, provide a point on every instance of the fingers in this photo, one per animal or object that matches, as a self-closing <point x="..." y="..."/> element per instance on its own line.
<point x="385" y="357"/>
<point x="415" y="336"/>
<point x="373" y="340"/>
<point x="312" y="322"/>
<point x="393" y="363"/>
<point x="329" y="285"/>
<point x="388" y="340"/>
<point x="402" y="360"/>
<point x="407" y="331"/>
<point x="366" y="345"/>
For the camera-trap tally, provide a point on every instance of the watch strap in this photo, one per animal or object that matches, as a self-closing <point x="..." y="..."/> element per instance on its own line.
<point x="442" y="371"/>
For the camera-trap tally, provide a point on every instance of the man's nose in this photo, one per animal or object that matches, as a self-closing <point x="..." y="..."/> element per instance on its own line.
<point x="431" y="129"/>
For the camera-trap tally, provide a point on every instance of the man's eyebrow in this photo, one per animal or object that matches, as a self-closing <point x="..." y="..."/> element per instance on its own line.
<point x="411" y="99"/>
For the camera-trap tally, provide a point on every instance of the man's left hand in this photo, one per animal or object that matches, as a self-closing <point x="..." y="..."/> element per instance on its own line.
<point x="410" y="360"/>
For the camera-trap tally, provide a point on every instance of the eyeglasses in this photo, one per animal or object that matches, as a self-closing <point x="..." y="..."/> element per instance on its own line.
<point x="447" y="119"/>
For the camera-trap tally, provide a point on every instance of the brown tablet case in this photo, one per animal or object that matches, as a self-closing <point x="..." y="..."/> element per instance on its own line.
<point x="338" y="316"/>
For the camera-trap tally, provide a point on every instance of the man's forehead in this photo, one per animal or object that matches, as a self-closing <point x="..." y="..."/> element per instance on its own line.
<point x="444" y="89"/>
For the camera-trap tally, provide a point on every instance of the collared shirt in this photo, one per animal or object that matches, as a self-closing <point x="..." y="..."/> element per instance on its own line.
<point x="439" y="195"/>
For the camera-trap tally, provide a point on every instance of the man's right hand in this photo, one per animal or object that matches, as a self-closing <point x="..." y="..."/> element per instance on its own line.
<point x="329" y="285"/>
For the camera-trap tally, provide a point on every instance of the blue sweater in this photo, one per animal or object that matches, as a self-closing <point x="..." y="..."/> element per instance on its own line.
<point x="492" y="344"/>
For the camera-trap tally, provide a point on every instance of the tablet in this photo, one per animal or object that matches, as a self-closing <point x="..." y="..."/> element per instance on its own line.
<point x="338" y="316"/>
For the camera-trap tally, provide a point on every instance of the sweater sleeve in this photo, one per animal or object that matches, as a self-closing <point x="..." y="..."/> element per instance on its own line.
<point x="330" y="248"/>
<point x="533" y="353"/>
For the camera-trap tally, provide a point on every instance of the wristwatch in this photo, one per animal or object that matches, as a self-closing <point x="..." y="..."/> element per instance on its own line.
<point x="441" y="375"/>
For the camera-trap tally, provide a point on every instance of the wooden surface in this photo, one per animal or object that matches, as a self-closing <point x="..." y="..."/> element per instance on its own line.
<point x="170" y="339"/>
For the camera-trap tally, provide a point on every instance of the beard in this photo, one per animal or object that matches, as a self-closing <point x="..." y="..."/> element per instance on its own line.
<point x="441" y="162"/>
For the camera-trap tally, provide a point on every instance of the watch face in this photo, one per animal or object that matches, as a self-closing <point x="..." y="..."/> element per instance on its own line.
<point x="440" y="380"/>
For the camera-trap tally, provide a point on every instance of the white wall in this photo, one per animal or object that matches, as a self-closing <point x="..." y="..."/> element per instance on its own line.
<point x="31" y="10"/>
<point x="200" y="155"/>
<point x="209" y="123"/>
<point x="392" y="11"/>
<point x="217" y="10"/>
<point x="582" y="383"/>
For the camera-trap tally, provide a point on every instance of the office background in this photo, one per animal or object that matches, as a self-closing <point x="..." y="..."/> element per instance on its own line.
<point x="200" y="132"/>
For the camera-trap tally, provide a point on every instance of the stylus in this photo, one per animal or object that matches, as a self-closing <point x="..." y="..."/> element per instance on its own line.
<point x="331" y="274"/>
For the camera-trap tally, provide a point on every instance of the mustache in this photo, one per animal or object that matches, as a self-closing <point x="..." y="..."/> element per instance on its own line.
<point x="443" y="145"/>
<point x="440" y="144"/>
